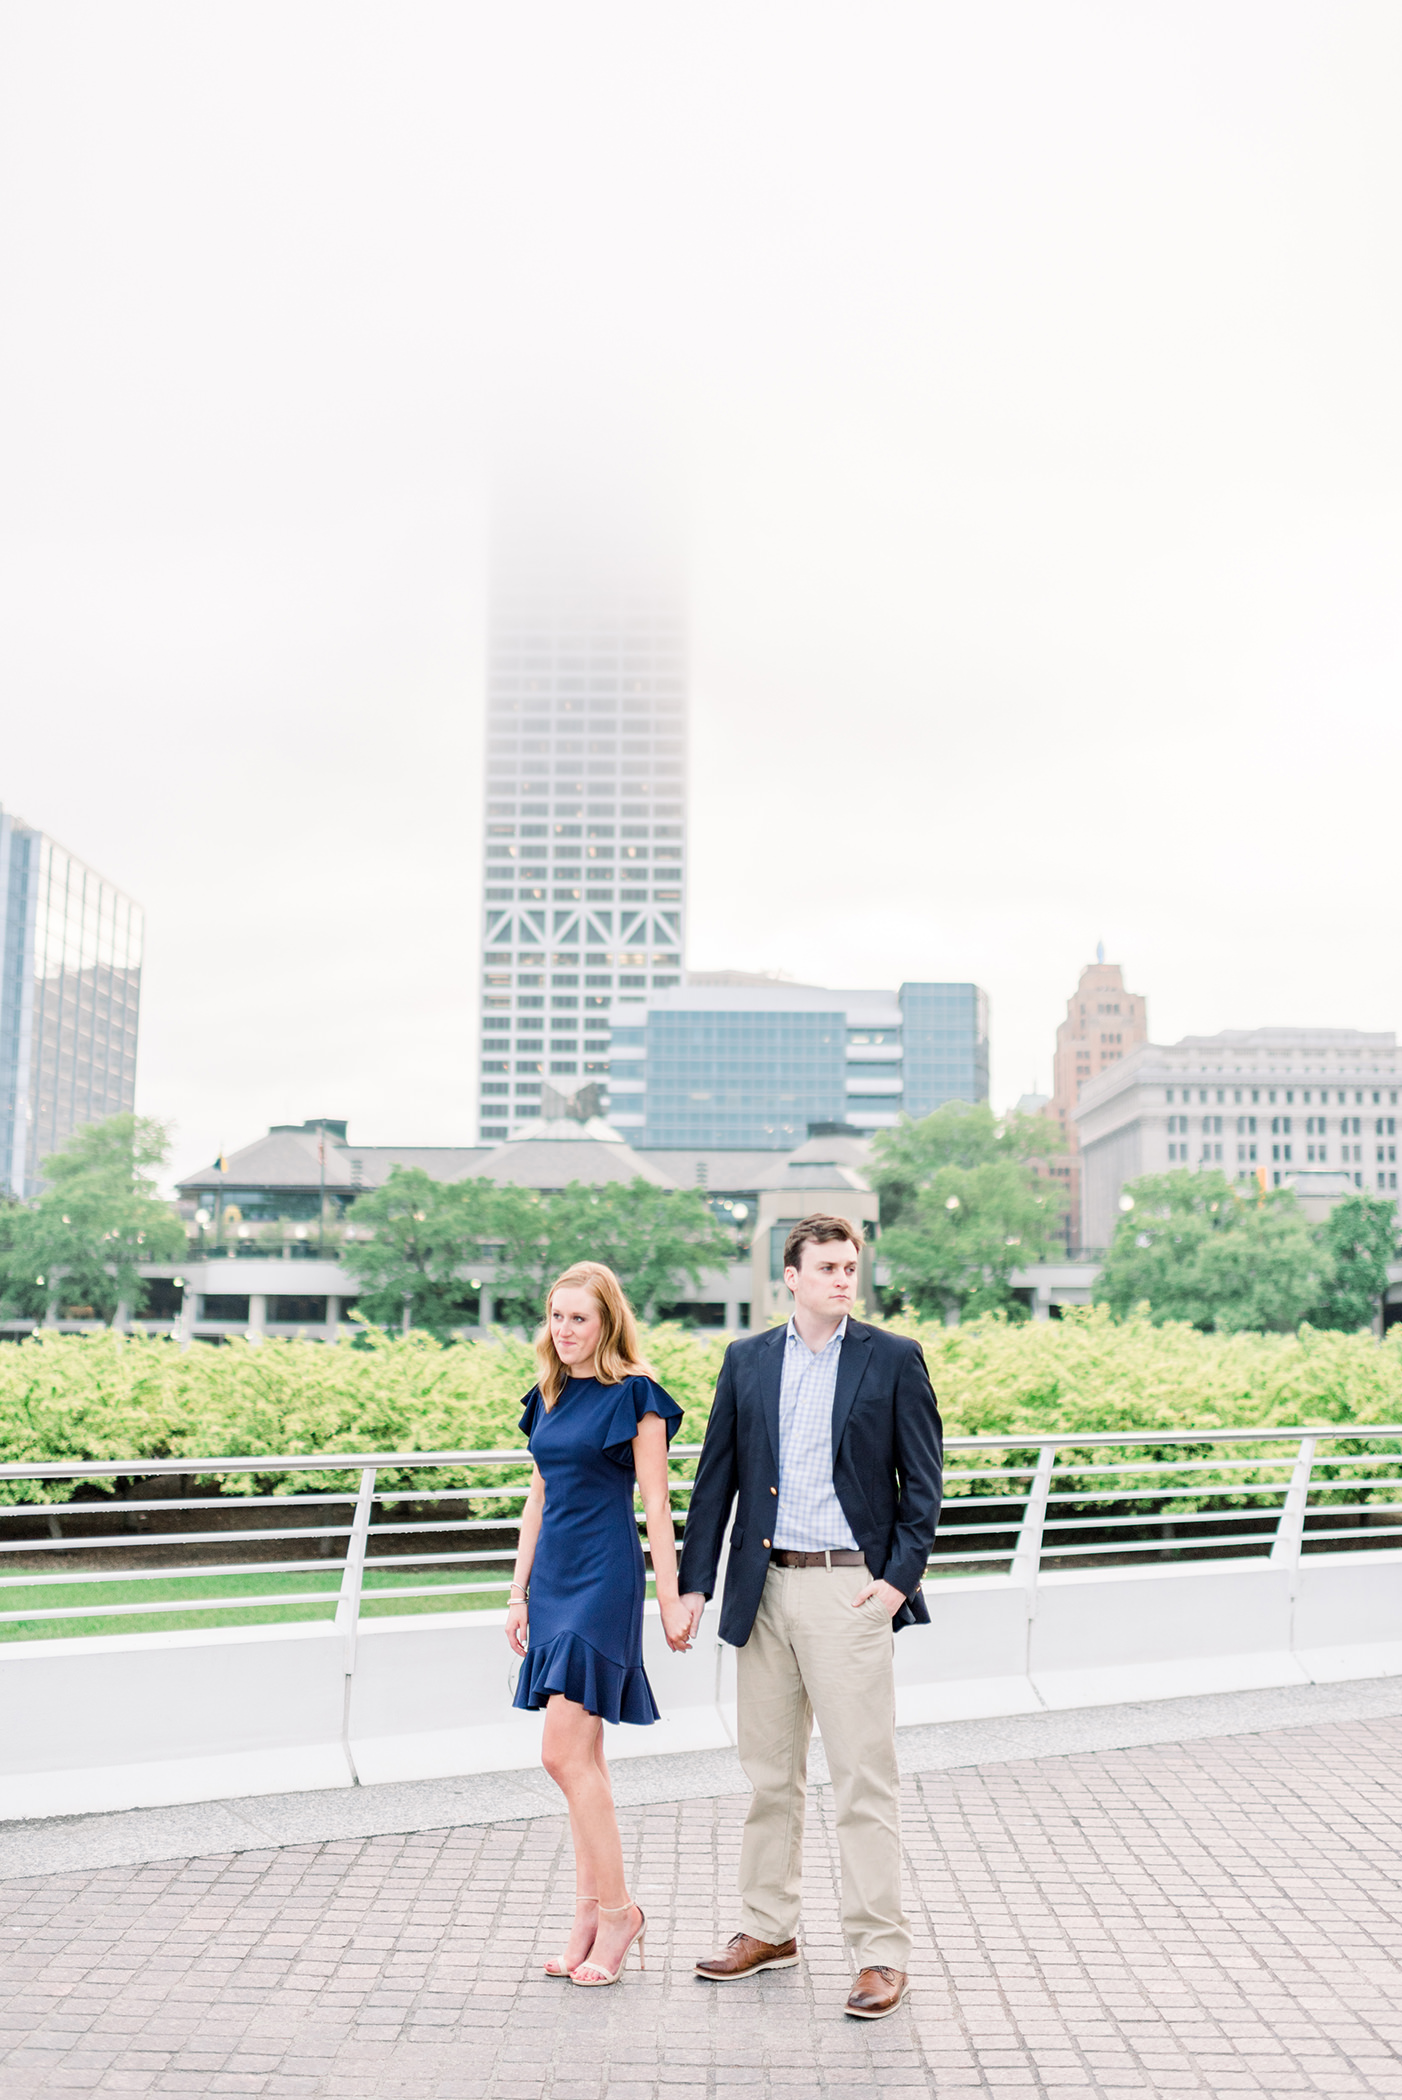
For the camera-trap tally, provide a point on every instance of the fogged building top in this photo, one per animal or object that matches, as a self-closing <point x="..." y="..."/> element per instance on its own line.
<point x="585" y="867"/>
<point x="69" y="1000"/>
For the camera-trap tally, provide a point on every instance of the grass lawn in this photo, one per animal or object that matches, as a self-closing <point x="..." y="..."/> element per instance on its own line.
<point x="377" y="1601"/>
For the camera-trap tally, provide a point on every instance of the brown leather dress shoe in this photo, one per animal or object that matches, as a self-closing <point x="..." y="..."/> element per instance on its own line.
<point x="746" y="1956"/>
<point x="877" y="1992"/>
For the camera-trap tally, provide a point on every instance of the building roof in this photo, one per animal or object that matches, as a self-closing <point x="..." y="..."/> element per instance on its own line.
<point x="558" y="1153"/>
<point x="803" y="1175"/>
<point x="1289" y="1039"/>
<point x="837" y="1149"/>
<point x="549" y="1155"/>
<point x="441" y="1162"/>
<point x="719" y="993"/>
<point x="287" y="1158"/>
<point x="727" y="1173"/>
<point x="284" y="1159"/>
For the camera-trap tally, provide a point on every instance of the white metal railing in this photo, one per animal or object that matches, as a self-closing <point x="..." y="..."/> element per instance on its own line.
<point x="1015" y="1505"/>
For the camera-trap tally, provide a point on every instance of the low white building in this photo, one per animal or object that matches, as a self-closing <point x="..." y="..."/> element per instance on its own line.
<point x="1314" y="1109"/>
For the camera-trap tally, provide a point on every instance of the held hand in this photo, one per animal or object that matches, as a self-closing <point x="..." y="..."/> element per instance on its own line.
<point x="891" y="1598"/>
<point x="695" y="1603"/>
<point x="676" y="1624"/>
<point x="517" y="1624"/>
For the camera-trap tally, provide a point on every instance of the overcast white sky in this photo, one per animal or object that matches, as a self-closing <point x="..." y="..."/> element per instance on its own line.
<point x="1031" y="373"/>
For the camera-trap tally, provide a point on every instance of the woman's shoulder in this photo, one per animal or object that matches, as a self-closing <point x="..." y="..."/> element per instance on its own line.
<point x="634" y="1396"/>
<point x="645" y="1392"/>
<point x="641" y="1378"/>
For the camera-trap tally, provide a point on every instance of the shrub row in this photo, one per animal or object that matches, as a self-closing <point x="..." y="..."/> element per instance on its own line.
<point x="110" y="1396"/>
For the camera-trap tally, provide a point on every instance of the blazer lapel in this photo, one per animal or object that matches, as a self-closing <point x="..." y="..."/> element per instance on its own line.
<point x="852" y="1362"/>
<point x="771" y="1378"/>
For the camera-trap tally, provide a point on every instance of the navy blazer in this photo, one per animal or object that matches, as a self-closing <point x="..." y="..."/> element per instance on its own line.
<point x="887" y="1456"/>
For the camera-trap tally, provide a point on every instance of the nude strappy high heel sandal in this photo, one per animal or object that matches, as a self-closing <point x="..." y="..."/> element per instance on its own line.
<point x="557" y="1965"/>
<point x="595" y="1982"/>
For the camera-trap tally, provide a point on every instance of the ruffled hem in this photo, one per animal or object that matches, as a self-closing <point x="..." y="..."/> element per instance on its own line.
<point x="568" y="1665"/>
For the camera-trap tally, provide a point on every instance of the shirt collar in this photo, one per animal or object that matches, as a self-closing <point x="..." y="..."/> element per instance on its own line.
<point x="795" y="1336"/>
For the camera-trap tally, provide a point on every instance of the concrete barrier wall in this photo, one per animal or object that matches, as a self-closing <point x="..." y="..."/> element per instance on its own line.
<point x="143" y="1719"/>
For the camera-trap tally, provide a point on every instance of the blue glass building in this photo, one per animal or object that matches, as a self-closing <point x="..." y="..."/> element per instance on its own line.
<point x="945" y="1041"/>
<point x="69" y="998"/>
<point x="729" y="1063"/>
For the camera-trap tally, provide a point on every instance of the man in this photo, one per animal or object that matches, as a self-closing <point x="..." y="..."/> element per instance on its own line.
<point x="827" y="1432"/>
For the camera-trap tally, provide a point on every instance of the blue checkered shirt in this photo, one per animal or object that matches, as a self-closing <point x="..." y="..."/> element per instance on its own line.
<point x="809" y="1518"/>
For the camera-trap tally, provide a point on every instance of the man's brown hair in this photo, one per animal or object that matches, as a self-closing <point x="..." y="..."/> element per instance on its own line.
<point x="817" y="1231"/>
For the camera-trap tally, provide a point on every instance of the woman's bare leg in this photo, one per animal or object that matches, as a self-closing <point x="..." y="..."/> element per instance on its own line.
<point x="573" y="1755"/>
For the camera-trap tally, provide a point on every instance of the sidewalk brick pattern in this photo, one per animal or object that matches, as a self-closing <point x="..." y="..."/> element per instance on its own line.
<point x="1215" y="1917"/>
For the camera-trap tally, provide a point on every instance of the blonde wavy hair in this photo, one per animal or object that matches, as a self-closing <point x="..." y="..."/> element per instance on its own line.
<point x="617" y="1356"/>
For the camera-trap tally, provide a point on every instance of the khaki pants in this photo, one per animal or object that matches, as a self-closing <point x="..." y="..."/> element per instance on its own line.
<point x="810" y="1653"/>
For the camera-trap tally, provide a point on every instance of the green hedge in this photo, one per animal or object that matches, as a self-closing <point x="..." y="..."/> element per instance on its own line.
<point x="109" y="1396"/>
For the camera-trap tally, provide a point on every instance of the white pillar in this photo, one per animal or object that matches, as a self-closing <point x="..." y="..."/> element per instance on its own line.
<point x="257" y="1315"/>
<point x="333" y="1316"/>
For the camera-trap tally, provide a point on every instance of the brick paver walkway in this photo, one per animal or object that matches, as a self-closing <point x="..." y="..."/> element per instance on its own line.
<point x="1214" y="1917"/>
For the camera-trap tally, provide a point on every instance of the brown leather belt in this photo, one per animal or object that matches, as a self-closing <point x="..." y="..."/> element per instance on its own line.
<point x="839" y="1557"/>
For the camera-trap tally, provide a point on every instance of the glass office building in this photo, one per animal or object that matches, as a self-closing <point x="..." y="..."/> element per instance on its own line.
<point x="754" y="1079"/>
<point x="945" y="1045"/>
<point x="585" y="863"/>
<point x="759" y="1065"/>
<point x="69" y="1000"/>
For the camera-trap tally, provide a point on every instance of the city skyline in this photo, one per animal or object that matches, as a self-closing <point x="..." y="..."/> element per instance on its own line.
<point x="1037" y="453"/>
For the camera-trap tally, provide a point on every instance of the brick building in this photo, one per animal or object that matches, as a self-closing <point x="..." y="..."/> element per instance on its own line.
<point x="1103" y="1022"/>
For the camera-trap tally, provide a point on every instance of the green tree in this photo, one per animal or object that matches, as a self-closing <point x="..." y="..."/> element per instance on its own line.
<point x="961" y="1134"/>
<point x="80" y="1241"/>
<point x="962" y="1205"/>
<point x="430" y="1240"/>
<point x="1360" y="1237"/>
<point x="651" y="1238"/>
<point x="1195" y="1247"/>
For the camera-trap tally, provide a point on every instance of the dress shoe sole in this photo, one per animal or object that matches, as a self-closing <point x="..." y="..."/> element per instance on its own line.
<point x="882" y="2012"/>
<point x="778" y="1961"/>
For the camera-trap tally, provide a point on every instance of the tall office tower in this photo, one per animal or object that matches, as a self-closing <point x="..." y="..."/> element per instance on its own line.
<point x="586" y="804"/>
<point x="1102" y="1022"/>
<point x="68" y="1001"/>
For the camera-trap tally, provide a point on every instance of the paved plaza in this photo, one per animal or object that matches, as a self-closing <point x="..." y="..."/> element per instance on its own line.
<point x="1219" y="1914"/>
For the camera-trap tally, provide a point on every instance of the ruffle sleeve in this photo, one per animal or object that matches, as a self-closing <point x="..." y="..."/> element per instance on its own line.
<point x="636" y="1397"/>
<point x="529" y="1412"/>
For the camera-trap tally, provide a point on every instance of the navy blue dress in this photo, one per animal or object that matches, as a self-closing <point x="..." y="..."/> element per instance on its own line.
<point x="588" y="1580"/>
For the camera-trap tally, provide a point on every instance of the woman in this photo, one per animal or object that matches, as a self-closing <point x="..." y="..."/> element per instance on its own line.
<point x="595" y="1420"/>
